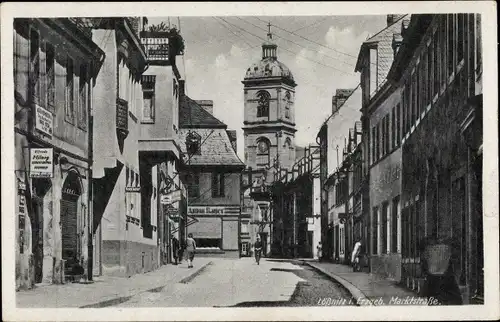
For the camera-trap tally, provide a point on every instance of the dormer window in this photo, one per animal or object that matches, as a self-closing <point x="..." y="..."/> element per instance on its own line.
<point x="263" y="104"/>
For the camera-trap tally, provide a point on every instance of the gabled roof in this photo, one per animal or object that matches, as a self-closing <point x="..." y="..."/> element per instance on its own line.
<point x="192" y="115"/>
<point x="216" y="148"/>
<point x="383" y="39"/>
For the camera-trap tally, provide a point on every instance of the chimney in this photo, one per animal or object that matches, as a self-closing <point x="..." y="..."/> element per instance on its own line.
<point x="207" y="105"/>
<point x="397" y="40"/>
<point x="232" y="138"/>
<point x="334" y="104"/>
<point x="342" y="96"/>
<point x="182" y="87"/>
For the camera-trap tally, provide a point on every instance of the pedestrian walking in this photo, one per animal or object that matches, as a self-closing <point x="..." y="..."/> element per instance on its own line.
<point x="257" y="247"/>
<point x="175" y="249"/>
<point x="437" y="263"/>
<point x="319" y="249"/>
<point x="190" y="249"/>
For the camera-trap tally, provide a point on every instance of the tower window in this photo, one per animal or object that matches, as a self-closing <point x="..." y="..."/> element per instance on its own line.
<point x="288" y="102"/>
<point x="263" y="152"/>
<point x="263" y="104"/>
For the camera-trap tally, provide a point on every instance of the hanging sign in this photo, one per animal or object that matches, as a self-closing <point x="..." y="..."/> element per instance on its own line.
<point x="170" y="197"/>
<point x="206" y="210"/>
<point x="41" y="163"/>
<point x="44" y="120"/>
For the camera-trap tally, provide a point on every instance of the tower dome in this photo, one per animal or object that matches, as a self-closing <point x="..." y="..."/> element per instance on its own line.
<point x="269" y="65"/>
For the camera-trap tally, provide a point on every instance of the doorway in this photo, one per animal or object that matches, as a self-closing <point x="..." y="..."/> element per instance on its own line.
<point x="71" y="248"/>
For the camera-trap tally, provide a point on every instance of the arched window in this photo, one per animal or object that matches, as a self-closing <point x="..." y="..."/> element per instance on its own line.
<point x="263" y="157"/>
<point x="288" y="102"/>
<point x="263" y="103"/>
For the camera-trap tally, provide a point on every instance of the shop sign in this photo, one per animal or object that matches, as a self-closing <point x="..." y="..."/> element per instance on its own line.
<point x="41" y="163"/>
<point x="206" y="210"/>
<point x="132" y="189"/>
<point x="170" y="197"/>
<point x="44" y="120"/>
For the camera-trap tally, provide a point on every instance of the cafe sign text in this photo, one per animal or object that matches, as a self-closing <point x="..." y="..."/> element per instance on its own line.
<point x="41" y="163"/>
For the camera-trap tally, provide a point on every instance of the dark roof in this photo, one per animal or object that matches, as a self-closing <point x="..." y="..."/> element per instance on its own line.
<point x="192" y="115"/>
<point x="216" y="148"/>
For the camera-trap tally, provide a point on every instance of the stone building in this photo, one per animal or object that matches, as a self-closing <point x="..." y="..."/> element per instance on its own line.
<point x="269" y="129"/>
<point x="126" y="192"/>
<point x="333" y="142"/>
<point x="439" y="70"/>
<point x="212" y="170"/>
<point x="381" y="112"/>
<point x="55" y="65"/>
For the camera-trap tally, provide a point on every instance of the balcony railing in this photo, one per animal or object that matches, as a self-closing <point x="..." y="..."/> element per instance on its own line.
<point x="122" y="118"/>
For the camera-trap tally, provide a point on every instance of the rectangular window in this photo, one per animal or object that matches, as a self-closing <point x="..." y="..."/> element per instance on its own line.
<point x="479" y="50"/>
<point x="418" y="97"/>
<point x="374" y="144"/>
<point x="443" y="60"/>
<point x="382" y="137"/>
<point x="194" y="185"/>
<point x="451" y="39"/>
<point x="393" y="128"/>
<point x="387" y="134"/>
<point x="148" y="96"/>
<point x="394" y="226"/>
<point x="70" y="91"/>
<point x="218" y="185"/>
<point x="375" y="231"/>
<point x="412" y="101"/>
<point x="50" y="74"/>
<point x="378" y="143"/>
<point x="82" y="97"/>
<point x="435" y="64"/>
<point x="34" y="77"/>
<point x="373" y="64"/>
<point x="244" y="227"/>
<point x="398" y="124"/>
<point x="383" y="228"/>
<point x="461" y="25"/>
<point x="430" y="81"/>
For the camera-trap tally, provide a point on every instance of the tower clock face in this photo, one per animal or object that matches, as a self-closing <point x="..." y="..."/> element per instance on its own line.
<point x="262" y="147"/>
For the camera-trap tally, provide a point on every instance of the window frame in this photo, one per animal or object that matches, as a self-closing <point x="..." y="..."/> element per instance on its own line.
<point x="82" y="115"/>
<point x="194" y="185"/>
<point x="263" y="103"/>
<point x="218" y="185"/>
<point x="69" y="106"/>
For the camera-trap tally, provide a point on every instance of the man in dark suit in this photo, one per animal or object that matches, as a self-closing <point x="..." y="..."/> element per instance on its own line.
<point x="175" y="249"/>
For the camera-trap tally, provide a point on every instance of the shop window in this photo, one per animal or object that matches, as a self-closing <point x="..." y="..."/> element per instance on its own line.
<point x="70" y="92"/>
<point x="208" y="242"/>
<point x="263" y="103"/>
<point x="218" y="185"/>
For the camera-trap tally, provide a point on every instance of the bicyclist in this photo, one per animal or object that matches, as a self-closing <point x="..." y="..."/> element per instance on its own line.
<point x="257" y="249"/>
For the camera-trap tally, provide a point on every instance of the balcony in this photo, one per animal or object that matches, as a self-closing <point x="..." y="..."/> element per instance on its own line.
<point x="121" y="119"/>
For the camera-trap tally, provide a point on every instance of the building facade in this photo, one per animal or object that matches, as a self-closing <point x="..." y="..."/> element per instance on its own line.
<point x="125" y="190"/>
<point x="212" y="171"/>
<point x="55" y="65"/>
<point x="381" y="148"/>
<point x="438" y="67"/>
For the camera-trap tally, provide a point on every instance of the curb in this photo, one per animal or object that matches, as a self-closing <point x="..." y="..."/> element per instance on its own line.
<point x="359" y="297"/>
<point x="125" y="298"/>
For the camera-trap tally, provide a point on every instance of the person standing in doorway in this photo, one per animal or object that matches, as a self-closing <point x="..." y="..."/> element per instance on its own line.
<point x="190" y="249"/>
<point x="355" y="260"/>
<point x="175" y="249"/>
<point x="319" y="249"/>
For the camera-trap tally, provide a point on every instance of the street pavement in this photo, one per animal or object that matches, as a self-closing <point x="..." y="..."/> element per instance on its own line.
<point x="227" y="282"/>
<point x="106" y="290"/>
<point x="368" y="289"/>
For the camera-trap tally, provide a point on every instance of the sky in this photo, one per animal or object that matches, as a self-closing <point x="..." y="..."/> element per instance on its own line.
<point x="220" y="49"/>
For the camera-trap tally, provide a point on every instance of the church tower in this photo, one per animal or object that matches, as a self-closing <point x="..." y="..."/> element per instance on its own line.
<point x="269" y="121"/>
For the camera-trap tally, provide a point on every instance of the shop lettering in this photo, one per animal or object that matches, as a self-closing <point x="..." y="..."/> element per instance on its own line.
<point x="205" y="210"/>
<point x="44" y="121"/>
